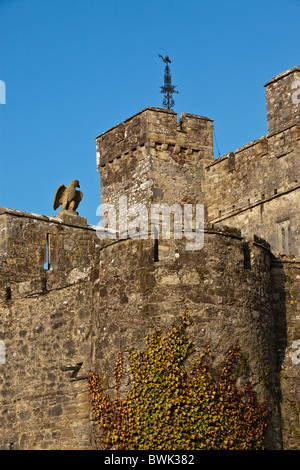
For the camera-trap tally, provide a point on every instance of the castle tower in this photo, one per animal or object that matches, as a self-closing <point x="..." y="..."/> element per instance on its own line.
<point x="153" y="158"/>
<point x="283" y="100"/>
<point x="257" y="187"/>
<point x="226" y="285"/>
<point x="283" y="113"/>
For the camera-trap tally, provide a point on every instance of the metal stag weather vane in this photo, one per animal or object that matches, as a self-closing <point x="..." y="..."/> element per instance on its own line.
<point x="168" y="89"/>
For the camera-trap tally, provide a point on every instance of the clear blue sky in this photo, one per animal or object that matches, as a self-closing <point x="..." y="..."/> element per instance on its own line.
<point x="75" y="68"/>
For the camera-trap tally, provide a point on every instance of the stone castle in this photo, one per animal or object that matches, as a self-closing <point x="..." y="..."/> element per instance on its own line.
<point x="70" y="300"/>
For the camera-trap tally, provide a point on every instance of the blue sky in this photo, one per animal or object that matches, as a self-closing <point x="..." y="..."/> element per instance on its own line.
<point x="75" y="68"/>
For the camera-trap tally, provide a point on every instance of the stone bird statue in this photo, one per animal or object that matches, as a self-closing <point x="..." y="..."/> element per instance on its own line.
<point x="68" y="197"/>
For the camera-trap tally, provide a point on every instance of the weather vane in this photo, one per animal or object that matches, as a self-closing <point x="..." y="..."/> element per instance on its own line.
<point x="168" y="89"/>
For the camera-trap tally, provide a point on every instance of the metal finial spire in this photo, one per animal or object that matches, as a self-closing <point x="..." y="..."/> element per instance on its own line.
<point x="168" y="89"/>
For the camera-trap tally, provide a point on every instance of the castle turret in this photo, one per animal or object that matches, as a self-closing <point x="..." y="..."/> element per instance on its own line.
<point x="283" y="100"/>
<point x="256" y="188"/>
<point x="153" y="158"/>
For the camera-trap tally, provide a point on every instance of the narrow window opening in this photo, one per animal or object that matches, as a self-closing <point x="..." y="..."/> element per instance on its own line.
<point x="155" y="234"/>
<point x="47" y="264"/>
<point x="2" y="352"/>
<point x="155" y="250"/>
<point x="283" y="241"/>
<point x="275" y="191"/>
<point x="7" y="293"/>
<point x="44" y="284"/>
<point x="247" y="258"/>
<point x="284" y="237"/>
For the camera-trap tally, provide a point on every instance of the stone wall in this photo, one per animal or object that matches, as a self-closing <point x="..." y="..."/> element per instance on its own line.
<point x="286" y="300"/>
<point x="98" y="297"/>
<point x="46" y="325"/>
<point x="226" y="289"/>
<point x="256" y="189"/>
<point x="283" y="103"/>
<point x="258" y="193"/>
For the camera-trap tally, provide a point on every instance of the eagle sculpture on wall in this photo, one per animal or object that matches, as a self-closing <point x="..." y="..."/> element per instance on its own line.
<point x="68" y="198"/>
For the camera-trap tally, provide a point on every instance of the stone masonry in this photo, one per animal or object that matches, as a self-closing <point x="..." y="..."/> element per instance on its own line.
<point x="70" y="299"/>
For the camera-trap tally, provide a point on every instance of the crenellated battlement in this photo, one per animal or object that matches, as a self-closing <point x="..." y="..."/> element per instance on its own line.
<point x="283" y="100"/>
<point x="257" y="187"/>
<point x="154" y="126"/>
<point x="143" y="157"/>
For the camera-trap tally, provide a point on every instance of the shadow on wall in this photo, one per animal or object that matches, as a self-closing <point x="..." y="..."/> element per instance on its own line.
<point x="279" y="280"/>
